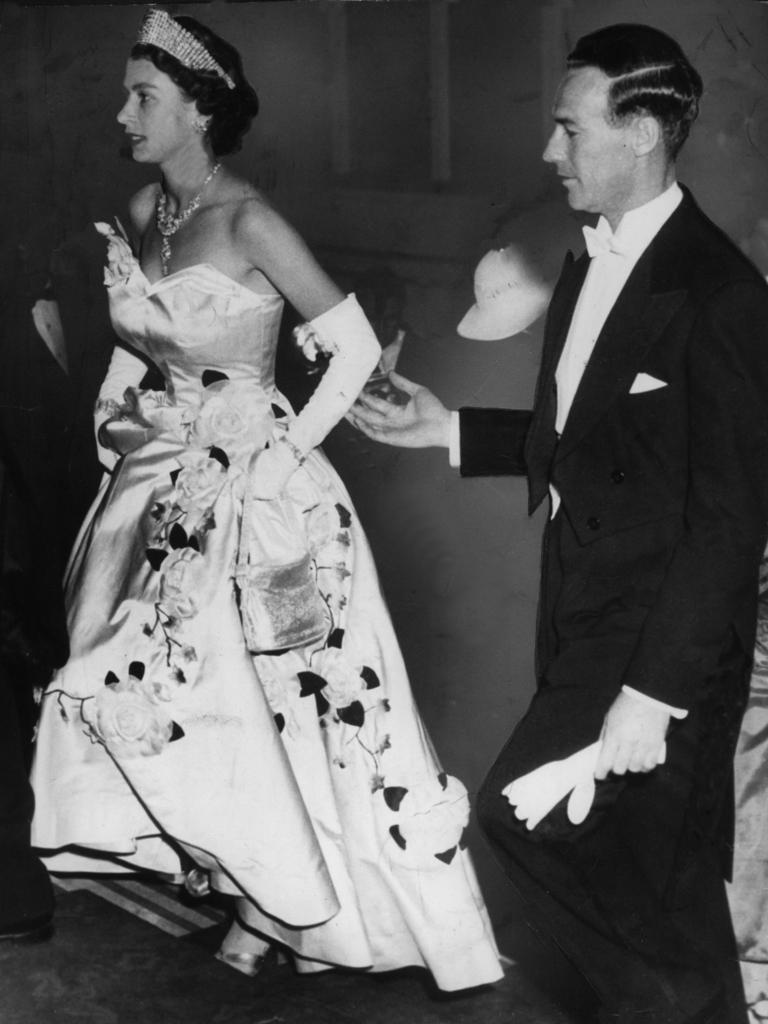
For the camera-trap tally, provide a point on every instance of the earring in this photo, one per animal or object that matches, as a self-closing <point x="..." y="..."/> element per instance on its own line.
<point x="200" y="124"/>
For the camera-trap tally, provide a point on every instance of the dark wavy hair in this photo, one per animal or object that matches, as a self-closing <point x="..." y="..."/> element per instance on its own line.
<point x="231" y="110"/>
<point x="651" y="75"/>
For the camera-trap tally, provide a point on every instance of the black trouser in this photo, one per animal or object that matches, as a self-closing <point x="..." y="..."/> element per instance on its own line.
<point x="599" y="895"/>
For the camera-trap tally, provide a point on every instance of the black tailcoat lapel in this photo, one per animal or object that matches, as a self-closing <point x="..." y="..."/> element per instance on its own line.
<point x="542" y="440"/>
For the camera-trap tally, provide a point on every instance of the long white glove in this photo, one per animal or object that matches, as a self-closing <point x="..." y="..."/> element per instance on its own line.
<point x="345" y="333"/>
<point x="125" y="371"/>
<point x="535" y="794"/>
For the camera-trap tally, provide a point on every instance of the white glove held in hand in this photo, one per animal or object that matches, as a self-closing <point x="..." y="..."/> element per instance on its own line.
<point x="534" y="795"/>
<point x="125" y="371"/>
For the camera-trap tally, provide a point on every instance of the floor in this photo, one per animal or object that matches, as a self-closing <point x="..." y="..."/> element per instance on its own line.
<point x="128" y="952"/>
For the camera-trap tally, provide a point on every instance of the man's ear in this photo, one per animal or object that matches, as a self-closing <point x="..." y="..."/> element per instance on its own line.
<point x="646" y="134"/>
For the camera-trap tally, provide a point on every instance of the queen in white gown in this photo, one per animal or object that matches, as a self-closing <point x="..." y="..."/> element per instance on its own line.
<point x="303" y="781"/>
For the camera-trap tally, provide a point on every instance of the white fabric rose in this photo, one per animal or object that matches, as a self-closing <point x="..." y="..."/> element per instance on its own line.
<point x="120" y="259"/>
<point x="199" y="483"/>
<point x="129" y="722"/>
<point x="311" y="343"/>
<point x="432" y="818"/>
<point x="344" y="684"/>
<point x="182" y="576"/>
<point x="235" y="416"/>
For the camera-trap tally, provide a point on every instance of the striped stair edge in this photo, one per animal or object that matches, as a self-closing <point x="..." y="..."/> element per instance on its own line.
<point x="156" y="903"/>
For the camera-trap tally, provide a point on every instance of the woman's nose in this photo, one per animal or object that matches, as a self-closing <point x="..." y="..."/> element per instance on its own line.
<point x="123" y="115"/>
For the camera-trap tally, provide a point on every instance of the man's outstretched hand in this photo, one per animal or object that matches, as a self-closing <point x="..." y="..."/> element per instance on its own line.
<point x="424" y="422"/>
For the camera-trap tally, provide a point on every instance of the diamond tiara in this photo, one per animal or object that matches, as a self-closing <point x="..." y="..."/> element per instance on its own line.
<point x="159" y="29"/>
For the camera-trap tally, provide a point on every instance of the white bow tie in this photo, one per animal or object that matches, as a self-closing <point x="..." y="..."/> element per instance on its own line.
<point x="600" y="240"/>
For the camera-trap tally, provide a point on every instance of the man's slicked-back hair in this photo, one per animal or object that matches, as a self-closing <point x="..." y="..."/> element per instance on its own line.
<point x="651" y="75"/>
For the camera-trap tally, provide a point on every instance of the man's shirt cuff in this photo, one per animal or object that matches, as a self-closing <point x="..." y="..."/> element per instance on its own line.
<point x="674" y="712"/>
<point x="454" y="441"/>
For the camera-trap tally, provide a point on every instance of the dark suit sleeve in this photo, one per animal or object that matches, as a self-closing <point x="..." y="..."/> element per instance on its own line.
<point x="492" y="441"/>
<point x="710" y="585"/>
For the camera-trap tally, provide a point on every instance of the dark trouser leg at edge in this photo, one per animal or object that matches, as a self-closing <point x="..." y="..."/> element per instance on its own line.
<point x="646" y="963"/>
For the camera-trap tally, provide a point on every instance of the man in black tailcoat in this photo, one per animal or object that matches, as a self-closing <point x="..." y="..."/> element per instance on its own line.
<point x="649" y="434"/>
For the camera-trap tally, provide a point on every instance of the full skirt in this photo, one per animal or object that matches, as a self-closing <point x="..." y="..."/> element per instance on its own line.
<point x="303" y="780"/>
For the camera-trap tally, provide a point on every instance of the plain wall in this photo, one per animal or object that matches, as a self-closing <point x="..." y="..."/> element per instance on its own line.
<point x="346" y="153"/>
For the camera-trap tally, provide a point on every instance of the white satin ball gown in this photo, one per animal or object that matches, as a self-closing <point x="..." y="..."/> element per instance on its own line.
<point x="303" y="780"/>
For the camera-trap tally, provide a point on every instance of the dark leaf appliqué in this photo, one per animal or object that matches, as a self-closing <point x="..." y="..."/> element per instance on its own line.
<point x="394" y="831"/>
<point x="370" y="678"/>
<point x="219" y="455"/>
<point x="393" y="796"/>
<point x="156" y="557"/>
<point x="345" y="516"/>
<point x="178" y="538"/>
<point x="336" y="638"/>
<point x="312" y="684"/>
<point x="212" y="377"/>
<point x="352" y="714"/>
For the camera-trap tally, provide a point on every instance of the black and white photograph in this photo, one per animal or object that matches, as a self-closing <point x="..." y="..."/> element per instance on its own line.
<point x="384" y="512"/>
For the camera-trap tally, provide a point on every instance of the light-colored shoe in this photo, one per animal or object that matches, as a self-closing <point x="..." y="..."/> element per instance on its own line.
<point x="250" y="964"/>
<point x="197" y="882"/>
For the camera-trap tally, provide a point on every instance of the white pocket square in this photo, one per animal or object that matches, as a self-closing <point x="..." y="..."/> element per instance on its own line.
<point x="645" y="382"/>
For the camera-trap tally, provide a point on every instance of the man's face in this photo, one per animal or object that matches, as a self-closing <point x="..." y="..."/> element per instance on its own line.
<point x="594" y="158"/>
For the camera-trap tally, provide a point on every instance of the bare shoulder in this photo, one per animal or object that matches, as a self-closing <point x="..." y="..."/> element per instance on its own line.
<point x="268" y="244"/>
<point x="259" y="226"/>
<point x="141" y="207"/>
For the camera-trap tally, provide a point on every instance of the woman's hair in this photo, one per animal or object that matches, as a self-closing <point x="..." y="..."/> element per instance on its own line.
<point x="231" y="110"/>
<point x="651" y="75"/>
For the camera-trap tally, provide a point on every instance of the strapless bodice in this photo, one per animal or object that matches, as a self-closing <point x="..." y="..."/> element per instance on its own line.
<point x="195" y="320"/>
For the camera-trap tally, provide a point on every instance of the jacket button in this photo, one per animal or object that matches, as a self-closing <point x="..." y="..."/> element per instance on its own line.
<point x="617" y="476"/>
<point x="593" y="523"/>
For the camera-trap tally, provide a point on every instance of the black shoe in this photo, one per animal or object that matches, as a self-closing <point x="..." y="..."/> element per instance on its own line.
<point x="31" y="929"/>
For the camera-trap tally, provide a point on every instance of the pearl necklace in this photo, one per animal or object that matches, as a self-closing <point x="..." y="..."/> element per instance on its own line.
<point x="168" y="224"/>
